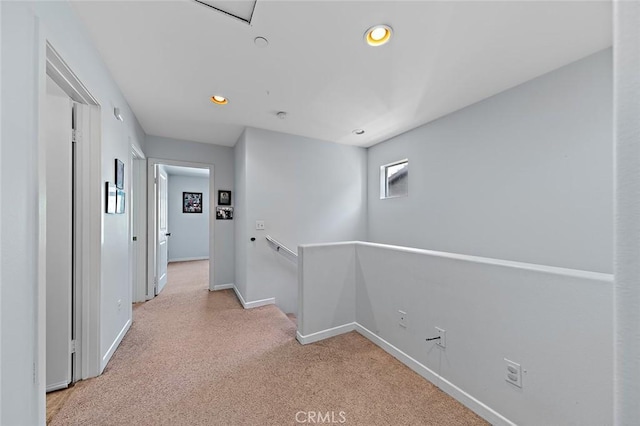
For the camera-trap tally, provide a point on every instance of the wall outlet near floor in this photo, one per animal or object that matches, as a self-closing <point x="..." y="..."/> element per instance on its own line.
<point x="513" y="373"/>
<point x="402" y="318"/>
<point x="260" y="225"/>
<point x="442" y="341"/>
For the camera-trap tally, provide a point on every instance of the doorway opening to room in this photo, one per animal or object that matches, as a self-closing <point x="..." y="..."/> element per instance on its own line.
<point x="181" y="206"/>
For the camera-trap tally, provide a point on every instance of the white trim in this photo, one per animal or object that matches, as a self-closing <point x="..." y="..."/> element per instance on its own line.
<point x="88" y="226"/>
<point x="466" y="399"/>
<point x="189" y="259"/>
<point x="219" y="287"/>
<point x="114" y="345"/>
<point x="576" y="273"/>
<point x="255" y="303"/>
<point x="138" y="222"/>
<point x="57" y="386"/>
<point x="325" y="334"/>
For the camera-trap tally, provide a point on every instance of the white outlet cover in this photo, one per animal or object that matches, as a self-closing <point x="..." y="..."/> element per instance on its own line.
<point x="442" y="341"/>
<point x="513" y="373"/>
<point x="402" y="318"/>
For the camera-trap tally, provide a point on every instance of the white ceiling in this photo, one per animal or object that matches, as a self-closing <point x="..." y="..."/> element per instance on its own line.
<point x="169" y="57"/>
<point x="186" y="171"/>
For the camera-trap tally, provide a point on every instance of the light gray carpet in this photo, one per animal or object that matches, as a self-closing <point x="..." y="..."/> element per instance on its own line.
<point x="193" y="357"/>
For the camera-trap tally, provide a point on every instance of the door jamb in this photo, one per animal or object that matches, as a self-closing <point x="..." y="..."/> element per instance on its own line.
<point x="139" y="250"/>
<point x="88" y="213"/>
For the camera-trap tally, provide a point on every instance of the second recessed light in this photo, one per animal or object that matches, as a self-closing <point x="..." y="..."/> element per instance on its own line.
<point x="219" y="100"/>
<point x="378" y="35"/>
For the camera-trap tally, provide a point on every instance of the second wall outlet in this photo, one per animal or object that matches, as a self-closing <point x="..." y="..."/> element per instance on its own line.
<point x="402" y="318"/>
<point x="260" y="225"/>
<point x="442" y="341"/>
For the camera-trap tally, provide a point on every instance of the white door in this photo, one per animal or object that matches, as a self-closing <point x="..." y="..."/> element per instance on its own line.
<point x="161" y="210"/>
<point x="59" y="205"/>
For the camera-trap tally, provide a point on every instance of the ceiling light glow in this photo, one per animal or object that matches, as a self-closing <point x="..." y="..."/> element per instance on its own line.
<point x="378" y="35"/>
<point x="219" y="100"/>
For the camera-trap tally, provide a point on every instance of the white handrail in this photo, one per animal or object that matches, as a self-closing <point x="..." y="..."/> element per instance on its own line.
<point x="279" y="246"/>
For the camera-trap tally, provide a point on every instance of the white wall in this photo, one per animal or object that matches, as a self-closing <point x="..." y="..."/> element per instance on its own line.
<point x="555" y="322"/>
<point x="222" y="159"/>
<point x="525" y="175"/>
<point x="627" y="229"/>
<point x="306" y="191"/>
<point x="189" y="238"/>
<point x="25" y="27"/>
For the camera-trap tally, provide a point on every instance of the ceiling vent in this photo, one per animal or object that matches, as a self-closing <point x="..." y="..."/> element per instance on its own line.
<point x="239" y="9"/>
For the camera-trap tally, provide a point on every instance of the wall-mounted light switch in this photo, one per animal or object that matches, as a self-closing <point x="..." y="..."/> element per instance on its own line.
<point x="260" y="225"/>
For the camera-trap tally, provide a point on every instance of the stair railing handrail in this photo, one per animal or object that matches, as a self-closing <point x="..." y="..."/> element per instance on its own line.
<point x="279" y="246"/>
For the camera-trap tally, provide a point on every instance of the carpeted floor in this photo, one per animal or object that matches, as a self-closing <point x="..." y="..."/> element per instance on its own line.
<point x="194" y="357"/>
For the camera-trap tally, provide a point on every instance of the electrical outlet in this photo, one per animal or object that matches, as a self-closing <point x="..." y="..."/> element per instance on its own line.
<point x="119" y="304"/>
<point x="402" y="319"/>
<point x="260" y="225"/>
<point x="513" y="373"/>
<point x="442" y="341"/>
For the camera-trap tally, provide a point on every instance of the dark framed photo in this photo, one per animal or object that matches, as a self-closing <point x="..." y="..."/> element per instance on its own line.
<point x="120" y="201"/>
<point x="119" y="174"/>
<point x="224" y="213"/>
<point x="192" y="202"/>
<point x="224" y="198"/>
<point x="111" y="197"/>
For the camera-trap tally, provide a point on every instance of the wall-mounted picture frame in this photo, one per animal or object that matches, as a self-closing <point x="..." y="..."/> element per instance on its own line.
<point x="120" y="201"/>
<point x="224" y="213"/>
<point x="192" y="202"/>
<point x="110" y="191"/>
<point x="119" y="174"/>
<point x="224" y="198"/>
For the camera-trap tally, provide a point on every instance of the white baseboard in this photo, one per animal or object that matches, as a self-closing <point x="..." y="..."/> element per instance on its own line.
<point x="219" y="287"/>
<point x="463" y="397"/>
<point x="114" y="345"/>
<point x="254" y="303"/>
<point x="188" y="259"/>
<point x="469" y="401"/>
<point x="325" y="334"/>
<point x="57" y="386"/>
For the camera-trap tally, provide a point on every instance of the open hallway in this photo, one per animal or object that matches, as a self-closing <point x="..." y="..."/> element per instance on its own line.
<point x="196" y="357"/>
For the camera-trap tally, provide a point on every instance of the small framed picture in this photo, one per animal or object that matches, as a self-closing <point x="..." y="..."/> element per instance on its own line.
<point x="224" y="213"/>
<point x="224" y="198"/>
<point x="192" y="202"/>
<point x="120" y="201"/>
<point x="119" y="174"/>
<point x="111" y="195"/>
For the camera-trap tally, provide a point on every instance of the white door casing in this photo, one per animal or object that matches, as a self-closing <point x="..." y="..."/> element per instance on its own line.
<point x="59" y="246"/>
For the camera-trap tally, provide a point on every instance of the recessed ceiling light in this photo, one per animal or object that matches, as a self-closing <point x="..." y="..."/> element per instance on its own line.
<point x="282" y="115"/>
<point x="261" y="42"/>
<point x="220" y="100"/>
<point x="378" y="35"/>
<point x="358" y="132"/>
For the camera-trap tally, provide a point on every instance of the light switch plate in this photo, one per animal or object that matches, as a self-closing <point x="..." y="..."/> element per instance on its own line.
<point x="260" y="225"/>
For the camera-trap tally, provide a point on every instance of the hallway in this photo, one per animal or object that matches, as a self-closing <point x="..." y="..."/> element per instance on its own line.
<point x="196" y="357"/>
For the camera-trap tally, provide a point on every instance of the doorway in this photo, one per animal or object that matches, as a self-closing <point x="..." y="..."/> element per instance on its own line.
<point x="69" y="261"/>
<point x="180" y="218"/>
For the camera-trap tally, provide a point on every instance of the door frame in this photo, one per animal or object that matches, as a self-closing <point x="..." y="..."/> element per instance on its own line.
<point x="138" y="223"/>
<point x="152" y="226"/>
<point x="88" y="220"/>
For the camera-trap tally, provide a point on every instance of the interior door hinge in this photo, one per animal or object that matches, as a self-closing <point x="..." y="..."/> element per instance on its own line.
<point x="73" y="346"/>
<point x="74" y="136"/>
